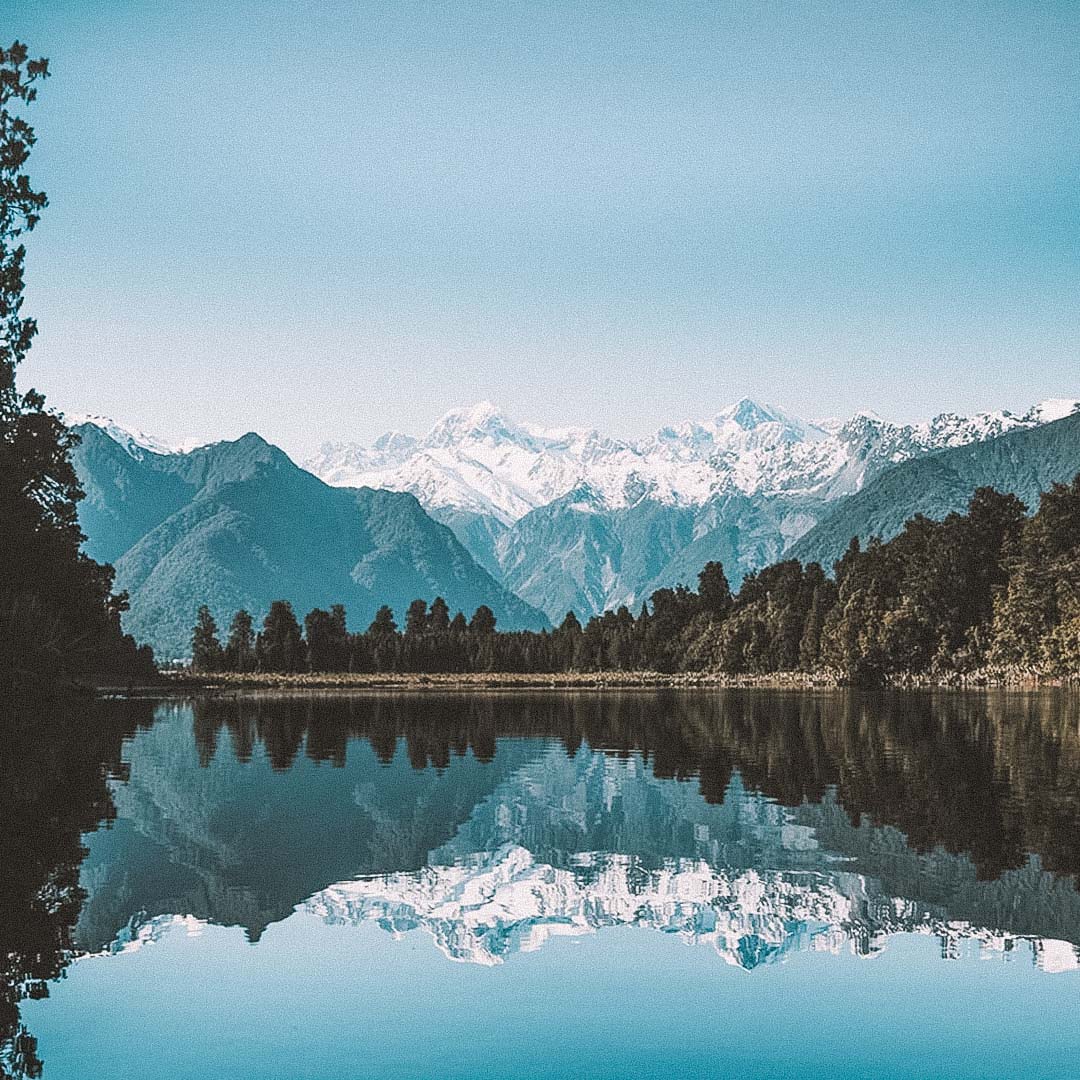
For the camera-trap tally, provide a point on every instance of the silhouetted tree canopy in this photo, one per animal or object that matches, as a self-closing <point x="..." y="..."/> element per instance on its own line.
<point x="59" y="619"/>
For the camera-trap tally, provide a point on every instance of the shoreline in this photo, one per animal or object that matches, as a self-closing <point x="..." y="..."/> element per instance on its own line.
<point x="596" y="681"/>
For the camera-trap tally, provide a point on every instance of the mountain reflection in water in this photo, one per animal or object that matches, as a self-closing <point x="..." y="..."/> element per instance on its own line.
<point x="754" y="823"/>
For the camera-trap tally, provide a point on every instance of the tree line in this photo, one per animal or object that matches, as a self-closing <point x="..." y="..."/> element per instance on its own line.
<point x="971" y="774"/>
<point x="991" y="587"/>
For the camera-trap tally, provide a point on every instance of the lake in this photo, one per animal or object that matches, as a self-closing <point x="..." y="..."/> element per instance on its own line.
<point x="500" y="885"/>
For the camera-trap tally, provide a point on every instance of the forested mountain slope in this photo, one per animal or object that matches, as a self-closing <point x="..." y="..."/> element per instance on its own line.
<point x="237" y="525"/>
<point x="1023" y="463"/>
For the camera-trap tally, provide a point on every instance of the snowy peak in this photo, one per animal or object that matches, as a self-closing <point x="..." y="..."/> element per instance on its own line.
<point x="506" y="901"/>
<point x="482" y="422"/>
<point x="750" y="415"/>
<point x="743" y="876"/>
<point x="478" y="460"/>
<point x="1052" y="409"/>
<point x="393" y="443"/>
<point x="135" y="442"/>
<point x="747" y="414"/>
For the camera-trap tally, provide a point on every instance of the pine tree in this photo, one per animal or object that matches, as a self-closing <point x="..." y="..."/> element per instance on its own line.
<point x="383" y="623"/>
<point x="482" y="622"/>
<point x="280" y="645"/>
<point x="439" y="619"/>
<point x="206" y="651"/>
<point x="339" y="636"/>
<point x="416" y="618"/>
<point x="58" y="617"/>
<point x="382" y="637"/>
<point x="714" y="590"/>
<point x="240" y="648"/>
<point x="327" y="640"/>
<point x="457" y="652"/>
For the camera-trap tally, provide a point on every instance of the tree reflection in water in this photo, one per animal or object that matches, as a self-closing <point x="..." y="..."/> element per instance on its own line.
<point x="941" y="798"/>
<point x="55" y="759"/>
<point x="994" y="775"/>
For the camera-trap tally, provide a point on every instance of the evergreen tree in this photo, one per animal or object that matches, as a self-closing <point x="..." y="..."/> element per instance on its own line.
<point x="439" y="619"/>
<point x="482" y="622"/>
<point x="58" y="616"/>
<point x="566" y="643"/>
<point x="457" y="645"/>
<point x="810" y="641"/>
<point x="941" y="597"/>
<point x="206" y="651"/>
<point x="383" y="624"/>
<point x="673" y="610"/>
<point x="339" y="631"/>
<point x="382" y="638"/>
<point x="482" y="643"/>
<point x="714" y="590"/>
<point x="240" y="647"/>
<point x="416" y="619"/>
<point x="280" y="646"/>
<point x="1036" y="623"/>
<point x="327" y="639"/>
<point x="319" y="633"/>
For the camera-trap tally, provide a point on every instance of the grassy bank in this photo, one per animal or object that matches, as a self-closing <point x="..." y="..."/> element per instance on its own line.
<point x="593" y="680"/>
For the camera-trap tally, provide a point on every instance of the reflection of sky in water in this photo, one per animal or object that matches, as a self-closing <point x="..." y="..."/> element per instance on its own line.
<point x="315" y="1000"/>
<point x="568" y="886"/>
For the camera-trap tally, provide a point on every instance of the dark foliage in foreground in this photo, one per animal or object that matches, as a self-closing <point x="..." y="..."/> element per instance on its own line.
<point x="989" y="587"/>
<point x="59" y="619"/>
<point x="55" y="760"/>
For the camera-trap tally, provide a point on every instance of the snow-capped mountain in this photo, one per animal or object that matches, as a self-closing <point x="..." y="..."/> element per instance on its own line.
<point x="565" y="846"/>
<point x="479" y="460"/>
<point x="745" y="877"/>
<point x="136" y="443"/>
<point x="573" y="519"/>
<point x="238" y="524"/>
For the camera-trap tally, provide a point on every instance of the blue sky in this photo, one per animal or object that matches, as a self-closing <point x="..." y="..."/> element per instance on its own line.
<point x="326" y="220"/>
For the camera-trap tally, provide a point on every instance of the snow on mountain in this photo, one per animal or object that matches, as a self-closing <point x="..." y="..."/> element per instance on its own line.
<point x="569" y="518"/>
<point x="742" y="876"/>
<point x="1052" y="409"/>
<point x="506" y="901"/>
<point x="142" y="931"/>
<point x="135" y="442"/>
<point x="481" y="461"/>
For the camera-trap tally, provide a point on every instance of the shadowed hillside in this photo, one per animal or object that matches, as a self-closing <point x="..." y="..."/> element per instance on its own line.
<point x="238" y="525"/>
<point x="1023" y="463"/>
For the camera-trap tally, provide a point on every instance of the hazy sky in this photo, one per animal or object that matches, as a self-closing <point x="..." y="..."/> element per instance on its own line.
<point x="329" y="219"/>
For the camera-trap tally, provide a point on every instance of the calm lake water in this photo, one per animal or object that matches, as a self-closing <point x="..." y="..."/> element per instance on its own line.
<point x="700" y="884"/>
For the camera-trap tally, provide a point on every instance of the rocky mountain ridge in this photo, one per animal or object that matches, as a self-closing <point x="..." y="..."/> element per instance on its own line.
<point x="237" y="525"/>
<point x="570" y="519"/>
<point x="477" y="459"/>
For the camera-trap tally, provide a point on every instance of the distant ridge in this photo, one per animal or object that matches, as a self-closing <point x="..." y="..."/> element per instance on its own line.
<point x="479" y="460"/>
<point x="568" y="518"/>
<point x="237" y="524"/>
<point x="1023" y="463"/>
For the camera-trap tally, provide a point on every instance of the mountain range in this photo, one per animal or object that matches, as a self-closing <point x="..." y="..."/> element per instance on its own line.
<point x="532" y="521"/>
<point x="479" y="461"/>
<point x="1024" y="463"/>
<point x="238" y="525"/>
<point x="573" y="519"/>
